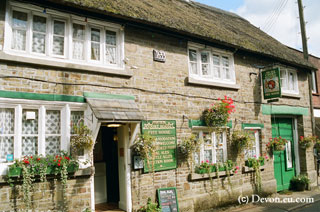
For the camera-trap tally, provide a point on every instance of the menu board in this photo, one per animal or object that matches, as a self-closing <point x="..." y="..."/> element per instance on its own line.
<point x="165" y="134"/>
<point x="168" y="199"/>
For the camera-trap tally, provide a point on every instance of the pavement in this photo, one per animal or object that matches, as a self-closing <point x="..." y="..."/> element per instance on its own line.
<point x="305" y="201"/>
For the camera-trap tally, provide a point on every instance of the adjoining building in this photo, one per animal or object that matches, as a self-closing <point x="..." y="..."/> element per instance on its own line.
<point x="150" y="65"/>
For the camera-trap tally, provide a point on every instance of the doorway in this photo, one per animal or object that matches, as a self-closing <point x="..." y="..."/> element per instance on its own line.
<point x="284" y="161"/>
<point x="106" y="161"/>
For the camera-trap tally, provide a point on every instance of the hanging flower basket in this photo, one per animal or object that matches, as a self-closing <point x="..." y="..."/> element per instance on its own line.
<point x="218" y="114"/>
<point x="308" y="141"/>
<point x="277" y="144"/>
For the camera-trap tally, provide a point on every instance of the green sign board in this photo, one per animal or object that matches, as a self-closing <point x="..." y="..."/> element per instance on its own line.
<point x="165" y="135"/>
<point x="271" y="83"/>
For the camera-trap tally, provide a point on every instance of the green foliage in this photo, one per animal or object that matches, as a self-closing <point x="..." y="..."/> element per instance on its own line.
<point x="218" y="114"/>
<point x="276" y="144"/>
<point x="82" y="139"/>
<point x="299" y="183"/>
<point x="256" y="163"/>
<point x="33" y="166"/>
<point x="189" y="146"/>
<point x="306" y="142"/>
<point x="241" y="140"/>
<point x="150" y="207"/>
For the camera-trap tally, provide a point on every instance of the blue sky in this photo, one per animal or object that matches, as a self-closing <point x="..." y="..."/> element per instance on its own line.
<point x="278" y="18"/>
<point x="223" y="4"/>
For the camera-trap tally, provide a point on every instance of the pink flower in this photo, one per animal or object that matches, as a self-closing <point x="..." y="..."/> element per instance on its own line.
<point x="207" y="161"/>
<point x="235" y="171"/>
<point x="237" y="167"/>
<point x="255" y="156"/>
<point x="266" y="157"/>
<point x="201" y="161"/>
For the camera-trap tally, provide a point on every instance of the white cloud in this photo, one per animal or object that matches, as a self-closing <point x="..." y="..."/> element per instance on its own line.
<point x="279" y="18"/>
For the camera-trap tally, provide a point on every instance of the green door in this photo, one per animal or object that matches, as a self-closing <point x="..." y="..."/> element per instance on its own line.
<point x="284" y="163"/>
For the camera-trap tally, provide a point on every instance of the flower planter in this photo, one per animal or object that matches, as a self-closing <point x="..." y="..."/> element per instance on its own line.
<point x="204" y="171"/>
<point x="249" y="163"/>
<point x="72" y="168"/>
<point x="15" y="172"/>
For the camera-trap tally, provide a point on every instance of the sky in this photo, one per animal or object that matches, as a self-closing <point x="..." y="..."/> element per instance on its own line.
<point x="278" y="18"/>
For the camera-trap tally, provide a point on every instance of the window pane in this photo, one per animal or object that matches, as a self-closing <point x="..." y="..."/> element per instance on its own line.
<point x="58" y="28"/>
<point x="208" y="156"/>
<point x="78" y="31"/>
<point x="216" y="71"/>
<point x="225" y="61"/>
<point x="219" y="143"/>
<point x="29" y="145"/>
<point x="76" y="119"/>
<point x="6" y="121"/>
<point x="19" y="20"/>
<point x="111" y="38"/>
<point x="95" y="44"/>
<point x="219" y="156"/>
<point x="193" y="67"/>
<point x="204" y="57"/>
<point x="53" y="122"/>
<point x="227" y="72"/>
<point x="19" y="27"/>
<point x="58" y="45"/>
<point x="52" y="145"/>
<point x="110" y="55"/>
<point x="30" y="125"/>
<point x="216" y="60"/>
<point x="291" y="81"/>
<point x="78" y="41"/>
<point x="6" y="147"/>
<point x="205" y="69"/>
<point x="193" y="55"/>
<point x="78" y="50"/>
<point x="314" y="84"/>
<point x="39" y="24"/>
<point x="283" y="79"/>
<point x="38" y="43"/>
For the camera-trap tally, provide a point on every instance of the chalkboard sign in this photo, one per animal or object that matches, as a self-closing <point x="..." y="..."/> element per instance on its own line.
<point x="168" y="199"/>
<point x="165" y="134"/>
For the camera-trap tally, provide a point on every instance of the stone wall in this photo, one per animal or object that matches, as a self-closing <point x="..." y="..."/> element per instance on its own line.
<point x="162" y="92"/>
<point x="48" y="196"/>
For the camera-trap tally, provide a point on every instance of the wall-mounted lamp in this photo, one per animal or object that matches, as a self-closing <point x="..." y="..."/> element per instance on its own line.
<point x="114" y="125"/>
<point x="252" y="73"/>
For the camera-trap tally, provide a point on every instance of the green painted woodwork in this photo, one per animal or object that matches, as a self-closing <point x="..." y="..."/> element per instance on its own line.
<point x="249" y="125"/>
<point x="281" y="109"/>
<point x="107" y="96"/>
<point x="283" y="127"/>
<point x="201" y="123"/>
<point x="165" y="134"/>
<point x="38" y="96"/>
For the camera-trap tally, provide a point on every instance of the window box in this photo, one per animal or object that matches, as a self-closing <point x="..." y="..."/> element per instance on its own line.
<point x="203" y="171"/>
<point x="249" y="163"/>
<point x="15" y="172"/>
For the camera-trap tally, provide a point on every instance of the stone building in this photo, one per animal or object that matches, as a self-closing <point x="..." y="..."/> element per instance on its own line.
<point x="125" y="63"/>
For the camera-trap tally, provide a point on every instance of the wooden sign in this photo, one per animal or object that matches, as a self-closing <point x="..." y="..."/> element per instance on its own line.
<point x="165" y="135"/>
<point x="168" y="199"/>
<point x="271" y="83"/>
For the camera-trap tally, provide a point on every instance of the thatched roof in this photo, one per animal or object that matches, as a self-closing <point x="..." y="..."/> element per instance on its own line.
<point x="194" y="19"/>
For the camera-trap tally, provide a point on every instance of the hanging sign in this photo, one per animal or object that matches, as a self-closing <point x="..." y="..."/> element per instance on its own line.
<point x="165" y="134"/>
<point x="271" y="83"/>
<point x="168" y="199"/>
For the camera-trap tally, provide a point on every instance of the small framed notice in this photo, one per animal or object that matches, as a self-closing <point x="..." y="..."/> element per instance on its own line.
<point x="168" y="199"/>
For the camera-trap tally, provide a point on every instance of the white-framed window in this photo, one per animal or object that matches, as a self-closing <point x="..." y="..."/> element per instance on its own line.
<point x="35" y="32"/>
<point x="213" y="148"/>
<point x="253" y="152"/>
<point x="35" y="129"/>
<point x="314" y="82"/>
<point x="211" y="64"/>
<point x="289" y="81"/>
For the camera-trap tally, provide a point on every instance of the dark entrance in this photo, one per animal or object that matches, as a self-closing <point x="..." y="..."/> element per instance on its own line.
<point x="106" y="160"/>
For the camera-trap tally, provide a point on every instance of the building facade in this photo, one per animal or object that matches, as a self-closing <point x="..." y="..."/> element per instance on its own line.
<point x="124" y="63"/>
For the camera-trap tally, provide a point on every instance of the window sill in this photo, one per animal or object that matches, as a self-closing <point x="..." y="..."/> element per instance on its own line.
<point x="81" y="172"/>
<point x="195" y="176"/>
<point x="291" y="95"/>
<point x="192" y="80"/>
<point x="66" y="65"/>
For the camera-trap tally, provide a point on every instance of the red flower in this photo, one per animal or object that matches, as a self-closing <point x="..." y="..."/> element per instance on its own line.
<point x="26" y="162"/>
<point x="54" y="160"/>
<point x="59" y="161"/>
<point x="57" y="156"/>
<point x="58" y="164"/>
<point x="66" y="158"/>
<point x="38" y="159"/>
<point x="30" y="156"/>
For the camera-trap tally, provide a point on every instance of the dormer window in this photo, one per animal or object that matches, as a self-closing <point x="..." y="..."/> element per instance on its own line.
<point x="210" y="64"/>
